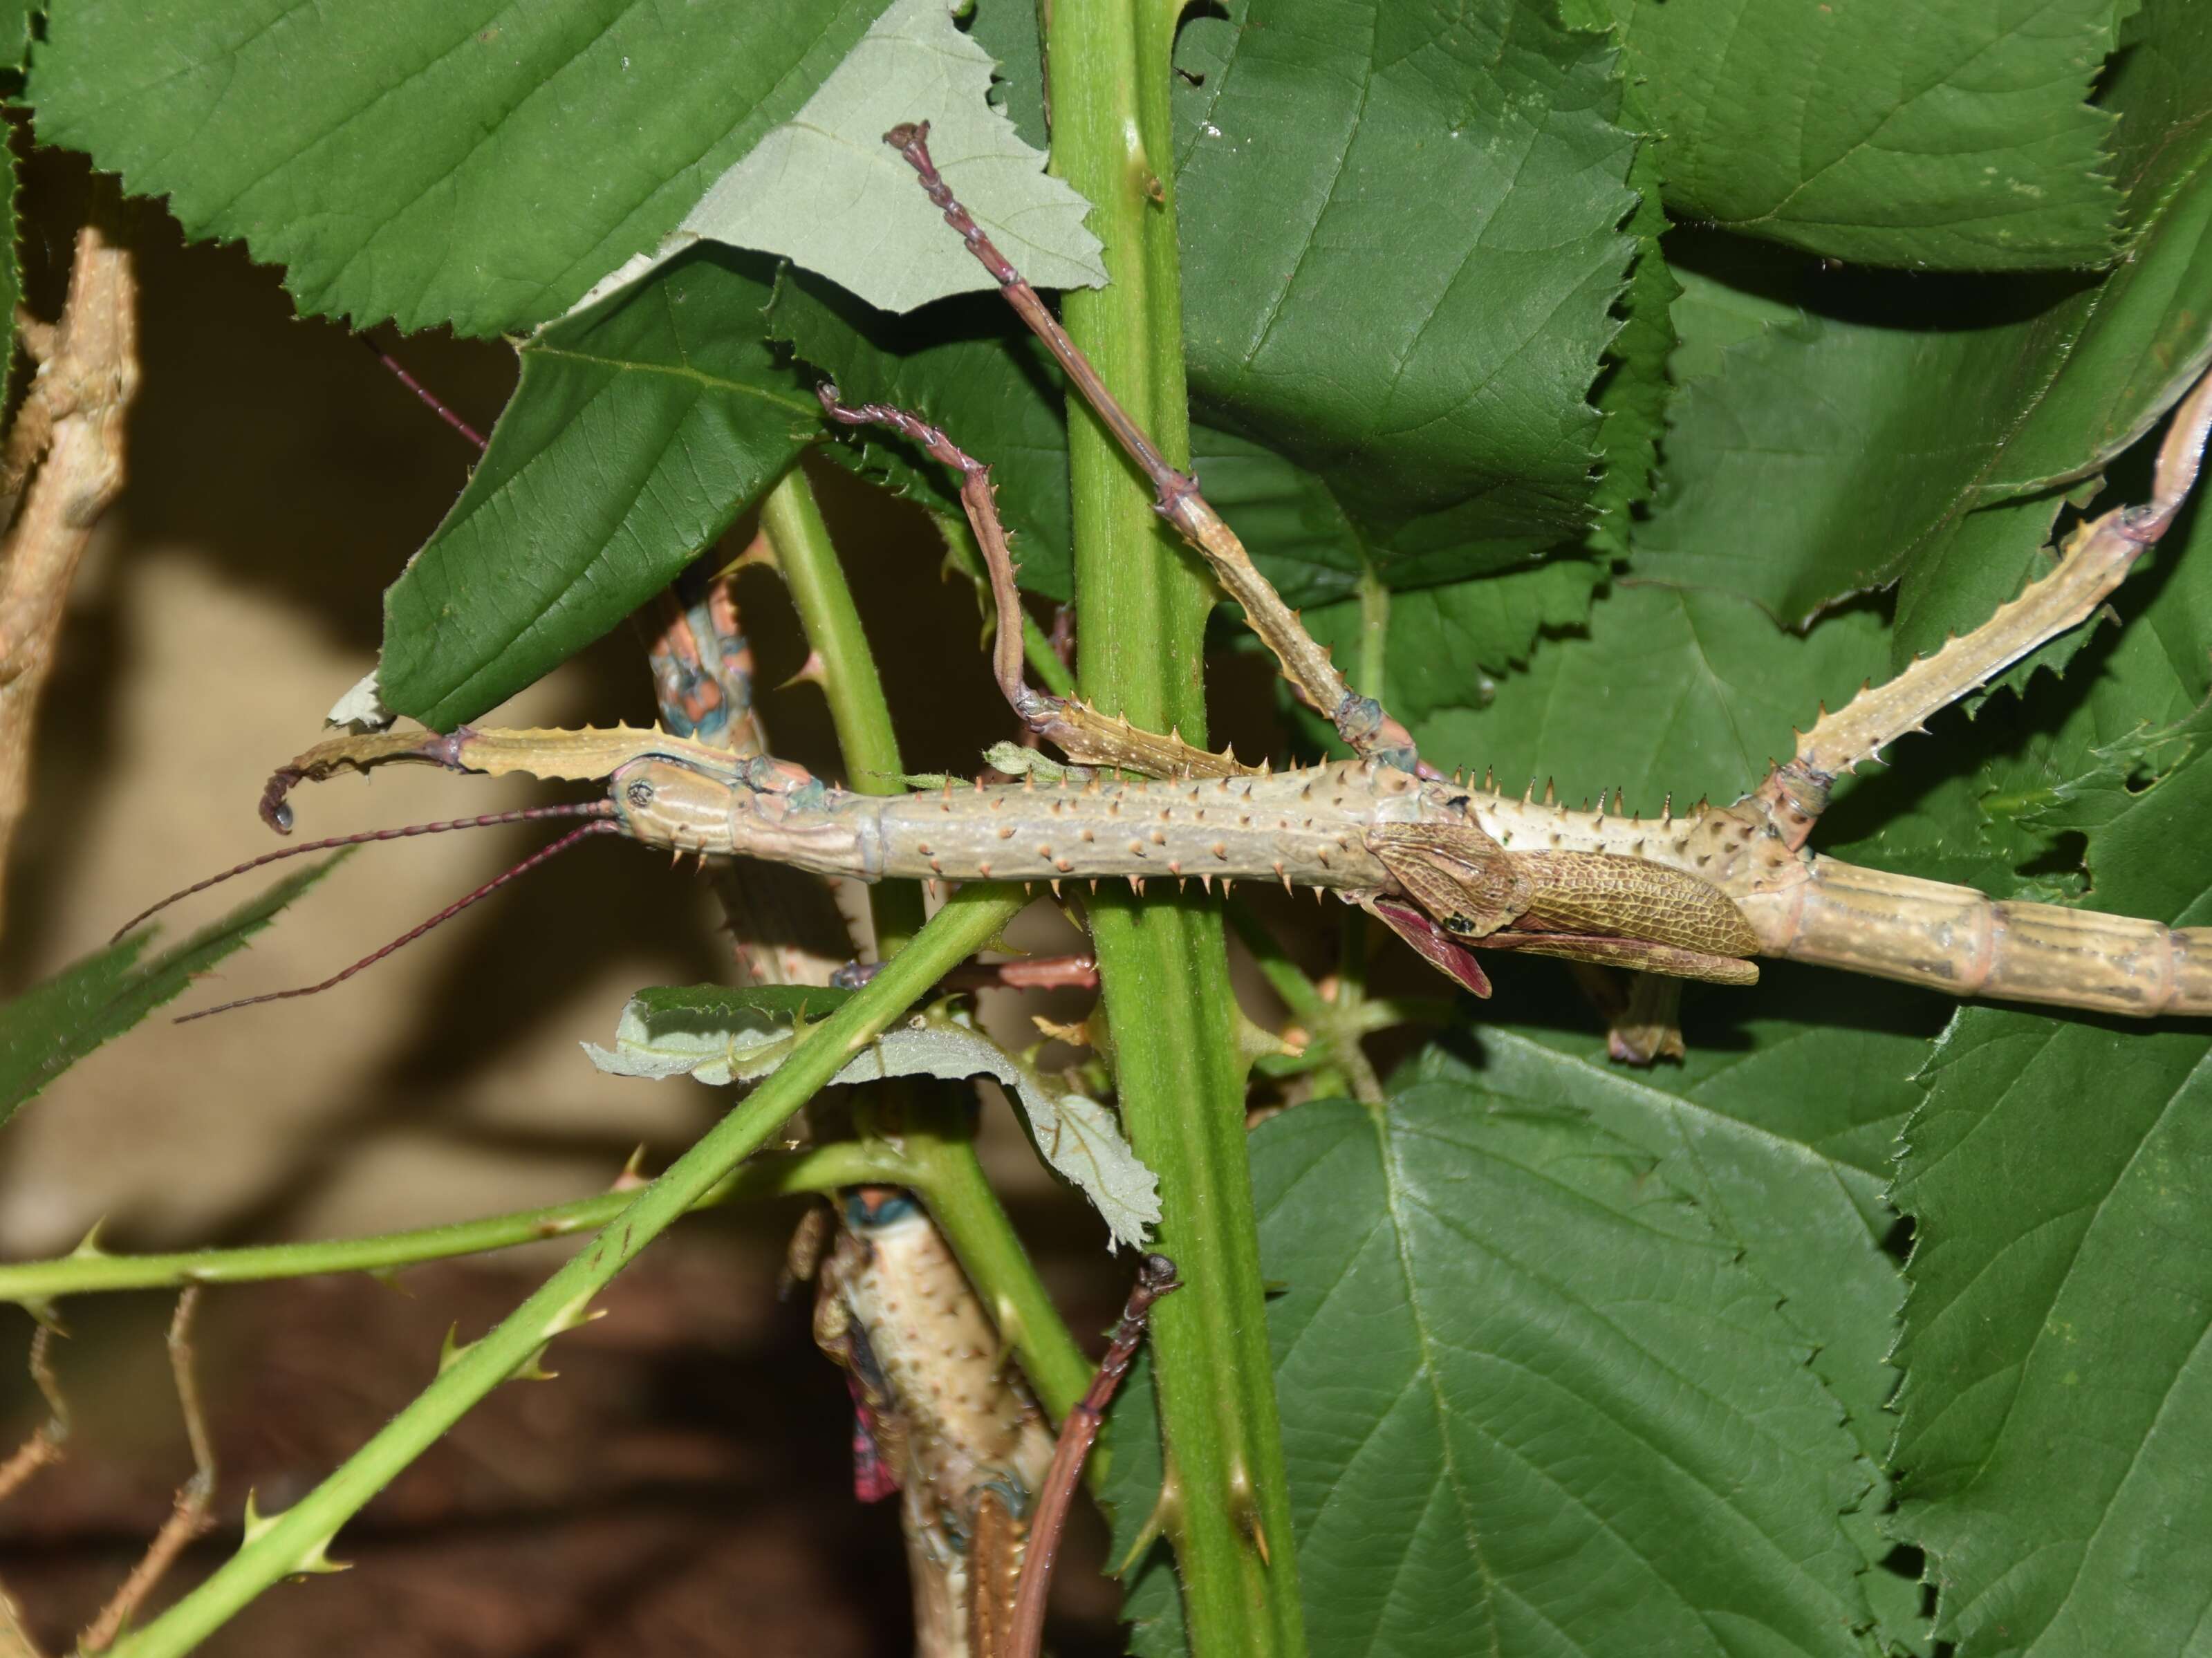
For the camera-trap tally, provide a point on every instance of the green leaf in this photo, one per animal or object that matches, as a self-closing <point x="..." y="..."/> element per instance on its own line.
<point x="1671" y="692"/>
<point x="461" y="161"/>
<point x="971" y="368"/>
<point x="1433" y="425"/>
<point x="638" y="433"/>
<point x="1946" y="134"/>
<point x="789" y="1003"/>
<point x="1782" y="1161"/>
<point x="1751" y="1126"/>
<point x="1980" y="801"/>
<point x="1504" y="1344"/>
<point x="1633" y="390"/>
<point x="1813" y="464"/>
<point x="1432" y="367"/>
<point x="15" y="17"/>
<point x="1808" y="459"/>
<point x="824" y="191"/>
<point x="718" y="1036"/>
<point x="1445" y="646"/>
<point x="2055" y="1342"/>
<point x="52" y="1025"/>
<point x="1008" y="31"/>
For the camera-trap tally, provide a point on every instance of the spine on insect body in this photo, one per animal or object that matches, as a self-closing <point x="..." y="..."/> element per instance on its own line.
<point x="954" y="1427"/>
<point x="1959" y="941"/>
<point x="1301" y="829"/>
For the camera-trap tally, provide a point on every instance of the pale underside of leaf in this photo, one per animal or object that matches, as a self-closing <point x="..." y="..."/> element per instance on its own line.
<point x="464" y="161"/>
<point x="824" y="191"/>
<point x="732" y="1041"/>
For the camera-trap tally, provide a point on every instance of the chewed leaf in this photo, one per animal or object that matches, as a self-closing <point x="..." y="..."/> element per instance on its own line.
<point x="719" y="1036"/>
<point x="714" y="1034"/>
<point x="1077" y="1136"/>
<point x="823" y="191"/>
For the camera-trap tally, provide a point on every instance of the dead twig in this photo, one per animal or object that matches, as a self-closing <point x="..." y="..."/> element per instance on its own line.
<point x="190" y="1516"/>
<point x="44" y="1447"/>
<point x="88" y="373"/>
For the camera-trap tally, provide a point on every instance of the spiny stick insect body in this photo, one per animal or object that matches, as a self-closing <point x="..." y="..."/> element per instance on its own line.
<point x="1450" y="867"/>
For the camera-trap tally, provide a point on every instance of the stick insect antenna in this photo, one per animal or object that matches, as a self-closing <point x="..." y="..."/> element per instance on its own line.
<point x="520" y="815"/>
<point x="604" y="825"/>
<point x="424" y="392"/>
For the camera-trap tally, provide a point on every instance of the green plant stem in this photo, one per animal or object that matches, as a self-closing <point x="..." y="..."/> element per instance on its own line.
<point x="1374" y="628"/>
<point x="1037" y="650"/>
<point x="808" y="559"/>
<point x="38" y="1282"/>
<point x="1142" y="604"/>
<point x="297" y="1540"/>
<point x="942" y="1164"/>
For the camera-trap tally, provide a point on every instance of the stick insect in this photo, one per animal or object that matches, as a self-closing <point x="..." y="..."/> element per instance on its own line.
<point x="1451" y="866"/>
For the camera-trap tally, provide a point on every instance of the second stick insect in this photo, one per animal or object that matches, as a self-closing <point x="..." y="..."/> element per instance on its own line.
<point x="1452" y="868"/>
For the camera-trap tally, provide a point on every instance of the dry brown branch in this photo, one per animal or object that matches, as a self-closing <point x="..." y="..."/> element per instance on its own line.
<point x="87" y="375"/>
<point x="42" y="1449"/>
<point x="190" y="1515"/>
<point x="14" y="1639"/>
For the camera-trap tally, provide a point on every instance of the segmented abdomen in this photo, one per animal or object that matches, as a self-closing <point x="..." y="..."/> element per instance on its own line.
<point x="1954" y="939"/>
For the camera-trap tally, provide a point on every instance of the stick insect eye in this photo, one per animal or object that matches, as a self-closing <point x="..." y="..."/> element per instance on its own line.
<point x="639" y="793"/>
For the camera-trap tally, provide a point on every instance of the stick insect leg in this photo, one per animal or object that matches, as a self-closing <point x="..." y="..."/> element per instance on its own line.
<point x="1359" y="720"/>
<point x="785" y="925"/>
<point x="1086" y="736"/>
<point x="2096" y="560"/>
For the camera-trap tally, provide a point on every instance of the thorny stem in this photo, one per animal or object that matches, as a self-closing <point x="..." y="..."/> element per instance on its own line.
<point x="1164" y="965"/>
<point x="1156" y="1276"/>
<point x="297" y="1540"/>
<point x="38" y="1284"/>
<point x="943" y="1166"/>
<point x="940" y="1161"/>
<point x="804" y="553"/>
<point x="1352" y="951"/>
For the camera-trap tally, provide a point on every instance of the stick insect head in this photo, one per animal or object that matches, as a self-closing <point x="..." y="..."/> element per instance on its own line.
<point x="668" y="803"/>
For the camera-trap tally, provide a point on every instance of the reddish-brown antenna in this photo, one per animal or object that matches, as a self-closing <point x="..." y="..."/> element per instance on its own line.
<point x="520" y="815"/>
<point x="429" y="398"/>
<point x="605" y="825"/>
